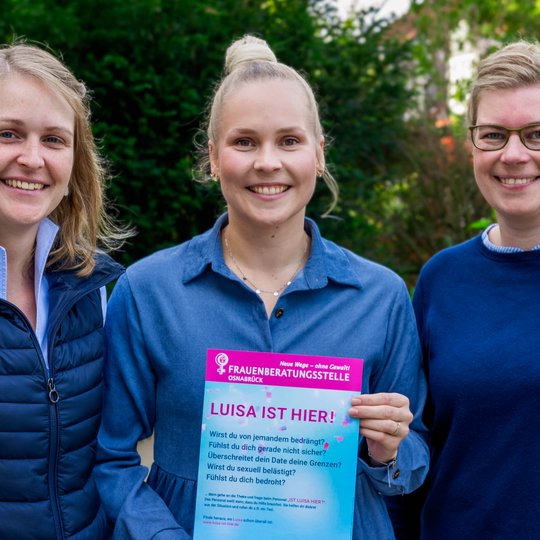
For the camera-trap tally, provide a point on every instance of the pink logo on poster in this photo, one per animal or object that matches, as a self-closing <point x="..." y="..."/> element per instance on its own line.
<point x="221" y="360"/>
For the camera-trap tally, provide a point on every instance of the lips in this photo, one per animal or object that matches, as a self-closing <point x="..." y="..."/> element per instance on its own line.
<point x="268" y="190"/>
<point x="23" y="184"/>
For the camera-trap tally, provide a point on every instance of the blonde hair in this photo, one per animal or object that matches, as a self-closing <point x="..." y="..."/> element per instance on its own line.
<point x="251" y="59"/>
<point x="514" y="66"/>
<point x="81" y="215"/>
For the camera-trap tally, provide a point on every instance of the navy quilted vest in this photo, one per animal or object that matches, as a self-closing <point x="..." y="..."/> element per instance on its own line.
<point x="49" y="420"/>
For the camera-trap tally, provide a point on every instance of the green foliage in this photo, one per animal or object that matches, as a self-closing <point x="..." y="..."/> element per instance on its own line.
<point x="407" y="188"/>
<point x="152" y="66"/>
<point x="433" y="203"/>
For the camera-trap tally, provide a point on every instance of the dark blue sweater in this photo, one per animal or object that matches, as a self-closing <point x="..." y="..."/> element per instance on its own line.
<point x="49" y="420"/>
<point x="479" y="320"/>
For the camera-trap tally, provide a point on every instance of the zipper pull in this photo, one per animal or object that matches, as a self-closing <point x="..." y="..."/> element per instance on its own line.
<point x="54" y="396"/>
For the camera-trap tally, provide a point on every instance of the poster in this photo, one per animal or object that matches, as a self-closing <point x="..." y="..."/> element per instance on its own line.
<point x="278" y="450"/>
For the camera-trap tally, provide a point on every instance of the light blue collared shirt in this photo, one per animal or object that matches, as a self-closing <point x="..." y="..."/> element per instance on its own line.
<point x="501" y="249"/>
<point x="46" y="234"/>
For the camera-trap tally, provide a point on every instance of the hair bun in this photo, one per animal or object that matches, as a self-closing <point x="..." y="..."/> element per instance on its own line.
<point x="247" y="50"/>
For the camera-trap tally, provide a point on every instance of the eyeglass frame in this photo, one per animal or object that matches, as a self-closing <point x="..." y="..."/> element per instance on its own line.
<point x="519" y="131"/>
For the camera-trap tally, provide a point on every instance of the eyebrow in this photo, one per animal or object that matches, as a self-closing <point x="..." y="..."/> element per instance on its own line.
<point x="54" y="129"/>
<point x="280" y="130"/>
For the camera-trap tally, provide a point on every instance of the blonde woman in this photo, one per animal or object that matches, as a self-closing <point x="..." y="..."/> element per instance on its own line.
<point x="51" y="300"/>
<point x="262" y="279"/>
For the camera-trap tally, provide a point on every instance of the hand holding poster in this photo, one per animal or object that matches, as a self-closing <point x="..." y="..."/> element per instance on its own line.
<point x="278" y="449"/>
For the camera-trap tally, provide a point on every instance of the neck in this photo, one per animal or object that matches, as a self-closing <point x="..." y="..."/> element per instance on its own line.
<point x="20" y="274"/>
<point x="525" y="237"/>
<point x="20" y="253"/>
<point x="266" y="262"/>
<point x="267" y="250"/>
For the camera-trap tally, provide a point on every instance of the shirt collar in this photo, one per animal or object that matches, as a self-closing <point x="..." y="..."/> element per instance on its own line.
<point x="327" y="261"/>
<point x="502" y="249"/>
<point x="45" y="238"/>
<point x="46" y="234"/>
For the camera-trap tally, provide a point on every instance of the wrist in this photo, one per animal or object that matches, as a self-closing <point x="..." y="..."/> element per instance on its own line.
<point x="376" y="462"/>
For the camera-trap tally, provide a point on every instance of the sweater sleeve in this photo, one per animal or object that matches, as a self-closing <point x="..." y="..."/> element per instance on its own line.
<point x="401" y="371"/>
<point x="128" y="417"/>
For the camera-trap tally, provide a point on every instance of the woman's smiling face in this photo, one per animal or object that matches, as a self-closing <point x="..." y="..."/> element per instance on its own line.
<point x="509" y="178"/>
<point x="267" y="155"/>
<point x="36" y="151"/>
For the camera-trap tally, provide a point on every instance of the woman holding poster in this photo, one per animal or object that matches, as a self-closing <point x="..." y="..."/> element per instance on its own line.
<point x="261" y="280"/>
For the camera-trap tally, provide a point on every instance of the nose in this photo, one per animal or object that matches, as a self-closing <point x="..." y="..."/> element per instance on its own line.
<point x="267" y="159"/>
<point x="515" y="151"/>
<point x="31" y="154"/>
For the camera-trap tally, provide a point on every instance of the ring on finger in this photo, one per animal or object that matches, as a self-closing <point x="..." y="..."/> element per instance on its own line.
<point x="394" y="433"/>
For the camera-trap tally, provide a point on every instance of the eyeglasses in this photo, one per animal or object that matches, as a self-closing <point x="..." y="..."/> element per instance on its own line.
<point x="489" y="138"/>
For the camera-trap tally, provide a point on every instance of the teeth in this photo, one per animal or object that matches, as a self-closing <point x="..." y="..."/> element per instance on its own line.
<point x="268" y="190"/>
<point x="29" y="186"/>
<point x="516" y="181"/>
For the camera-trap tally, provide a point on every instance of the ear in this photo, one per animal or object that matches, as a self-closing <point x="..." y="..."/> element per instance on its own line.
<point x="321" y="162"/>
<point x="213" y="158"/>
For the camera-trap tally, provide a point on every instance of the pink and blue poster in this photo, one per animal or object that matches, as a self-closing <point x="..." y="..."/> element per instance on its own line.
<point x="278" y="450"/>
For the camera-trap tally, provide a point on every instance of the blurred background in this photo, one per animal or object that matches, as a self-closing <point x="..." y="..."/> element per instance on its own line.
<point x="391" y="78"/>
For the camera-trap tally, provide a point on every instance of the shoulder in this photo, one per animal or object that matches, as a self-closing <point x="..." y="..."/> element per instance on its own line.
<point x="447" y="259"/>
<point x="177" y="261"/>
<point x="368" y="273"/>
<point x="105" y="263"/>
<point x="158" y="260"/>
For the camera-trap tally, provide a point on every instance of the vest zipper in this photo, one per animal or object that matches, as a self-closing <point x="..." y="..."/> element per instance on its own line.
<point x="54" y="449"/>
<point x="54" y="396"/>
<point x="53" y="456"/>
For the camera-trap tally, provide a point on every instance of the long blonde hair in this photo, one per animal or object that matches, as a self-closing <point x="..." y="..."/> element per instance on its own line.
<point x="81" y="215"/>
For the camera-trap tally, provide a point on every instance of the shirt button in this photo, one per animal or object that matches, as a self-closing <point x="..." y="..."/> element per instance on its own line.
<point x="395" y="476"/>
<point x="279" y="312"/>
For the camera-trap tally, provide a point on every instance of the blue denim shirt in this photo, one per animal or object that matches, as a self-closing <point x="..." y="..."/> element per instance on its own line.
<point x="174" y="305"/>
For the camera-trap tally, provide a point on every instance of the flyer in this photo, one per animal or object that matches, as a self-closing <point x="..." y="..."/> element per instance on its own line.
<point x="278" y="450"/>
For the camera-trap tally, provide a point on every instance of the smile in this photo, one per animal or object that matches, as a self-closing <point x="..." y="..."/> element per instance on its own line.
<point x="268" y="190"/>
<point x="21" y="184"/>
<point x="516" y="181"/>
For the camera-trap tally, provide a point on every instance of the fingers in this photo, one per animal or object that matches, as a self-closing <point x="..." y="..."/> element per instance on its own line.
<point x="381" y="429"/>
<point x="382" y="398"/>
<point x="392" y="407"/>
<point x="384" y="422"/>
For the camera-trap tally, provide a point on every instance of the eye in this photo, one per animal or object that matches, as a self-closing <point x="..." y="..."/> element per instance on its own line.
<point x="53" y="139"/>
<point x="533" y="133"/>
<point x="243" y="143"/>
<point x="290" y="141"/>
<point x="7" y="135"/>
<point x="493" y="135"/>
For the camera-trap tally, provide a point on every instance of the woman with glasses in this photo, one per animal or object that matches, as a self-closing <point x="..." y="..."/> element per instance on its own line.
<point x="477" y="307"/>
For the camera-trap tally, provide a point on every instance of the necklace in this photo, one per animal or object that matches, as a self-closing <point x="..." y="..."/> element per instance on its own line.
<point x="259" y="291"/>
